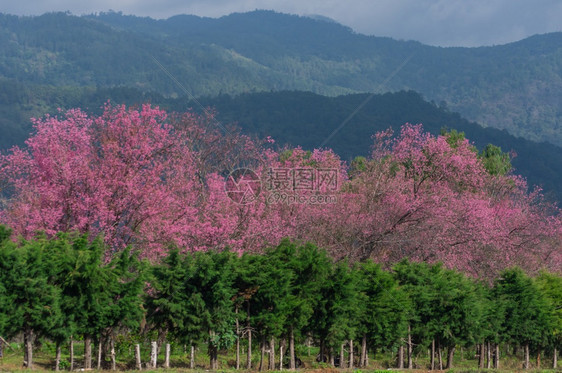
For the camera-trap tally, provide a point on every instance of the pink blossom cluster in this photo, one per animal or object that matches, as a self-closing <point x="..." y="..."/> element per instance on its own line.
<point x="142" y="178"/>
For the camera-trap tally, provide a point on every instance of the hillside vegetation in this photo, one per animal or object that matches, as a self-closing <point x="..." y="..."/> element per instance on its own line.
<point x="290" y="117"/>
<point x="516" y="86"/>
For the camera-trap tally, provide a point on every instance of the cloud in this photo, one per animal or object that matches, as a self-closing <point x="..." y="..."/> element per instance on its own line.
<point x="435" y="22"/>
<point x="453" y="22"/>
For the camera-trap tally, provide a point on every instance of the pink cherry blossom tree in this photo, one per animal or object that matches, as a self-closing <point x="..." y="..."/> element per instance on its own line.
<point x="428" y="199"/>
<point x="140" y="177"/>
<point x="124" y="174"/>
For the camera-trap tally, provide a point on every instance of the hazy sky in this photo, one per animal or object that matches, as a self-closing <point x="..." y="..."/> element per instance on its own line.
<point x="436" y="22"/>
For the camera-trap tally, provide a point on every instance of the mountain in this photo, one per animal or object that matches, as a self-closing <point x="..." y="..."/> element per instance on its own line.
<point x="517" y="86"/>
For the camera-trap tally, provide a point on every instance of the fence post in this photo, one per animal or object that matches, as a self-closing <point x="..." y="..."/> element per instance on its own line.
<point x="154" y="354"/>
<point x="167" y="360"/>
<point x="138" y="356"/>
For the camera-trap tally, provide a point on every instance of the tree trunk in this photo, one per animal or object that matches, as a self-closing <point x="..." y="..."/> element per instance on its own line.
<point x="322" y="350"/>
<point x="192" y="357"/>
<point x="497" y="357"/>
<point x="410" y="363"/>
<point x="432" y="358"/>
<point x="363" y="362"/>
<point x="439" y="356"/>
<point x="555" y="359"/>
<point x="87" y="352"/>
<point x="331" y="358"/>
<point x="351" y="354"/>
<point x="488" y="355"/>
<point x="292" y="365"/>
<point x="57" y="357"/>
<point x="450" y="356"/>
<point x="215" y="358"/>
<point x="249" y="354"/>
<point x="342" y="356"/>
<point x="401" y="357"/>
<point x="28" y="352"/>
<point x="237" y="340"/>
<point x="481" y="356"/>
<point x="138" y="357"/>
<point x="167" y="357"/>
<point x="71" y="354"/>
<point x="539" y="359"/>
<point x="272" y="353"/>
<point x="281" y="345"/>
<point x="526" y="366"/>
<point x="213" y="352"/>
<point x="99" y="354"/>
<point x="112" y="346"/>
<point x="262" y="356"/>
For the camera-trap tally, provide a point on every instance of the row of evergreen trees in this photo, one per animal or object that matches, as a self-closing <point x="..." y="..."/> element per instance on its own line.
<point x="67" y="288"/>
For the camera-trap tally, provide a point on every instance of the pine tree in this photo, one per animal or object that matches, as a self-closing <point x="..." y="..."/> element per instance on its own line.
<point x="550" y="285"/>
<point x="387" y="311"/>
<point x="272" y="280"/>
<point x="527" y="317"/>
<point x="335" y="318"/>
<point x="34" y="302"/>
<point x="211" y="287"/>
<point x="167" y="302"/>
<point x="309" y="266"/>
<point x="87" y="291"/>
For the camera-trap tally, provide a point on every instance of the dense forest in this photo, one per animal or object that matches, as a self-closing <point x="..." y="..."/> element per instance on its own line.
<point x="514" y="86"/>
<point x="64" y="288"/>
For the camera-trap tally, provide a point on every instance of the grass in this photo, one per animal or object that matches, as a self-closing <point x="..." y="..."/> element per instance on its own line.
<point x="44" y="361"/>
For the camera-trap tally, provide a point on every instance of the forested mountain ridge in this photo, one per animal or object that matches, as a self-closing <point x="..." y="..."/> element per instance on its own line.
<point x="517" y="86"/>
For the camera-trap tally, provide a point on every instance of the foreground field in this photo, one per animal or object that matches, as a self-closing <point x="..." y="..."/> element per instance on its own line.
<point x="466" y="361"/>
